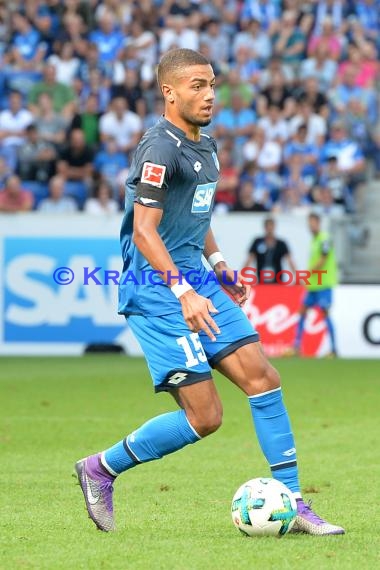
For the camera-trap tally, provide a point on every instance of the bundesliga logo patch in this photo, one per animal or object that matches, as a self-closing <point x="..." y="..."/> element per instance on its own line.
<point x="153" y="174"/>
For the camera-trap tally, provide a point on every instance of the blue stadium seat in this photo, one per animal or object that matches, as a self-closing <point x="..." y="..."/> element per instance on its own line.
<point x="78" y="191"/>
<point x="39" y="190"/>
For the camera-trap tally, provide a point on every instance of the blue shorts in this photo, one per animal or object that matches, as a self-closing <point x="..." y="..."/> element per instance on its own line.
<point x="322" y="299"/>
<point x="176" y="356"/>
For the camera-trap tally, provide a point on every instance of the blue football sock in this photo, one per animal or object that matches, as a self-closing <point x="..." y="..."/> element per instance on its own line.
<point x="331" y="329"/>
<point x="154" y="439"/>
<point x="275" y="436"/>
<point x="299" y="333"/>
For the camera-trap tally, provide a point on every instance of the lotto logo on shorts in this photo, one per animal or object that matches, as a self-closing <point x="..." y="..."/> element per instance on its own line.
<point x="153" y="174"/>
<point x="203" y="196"/>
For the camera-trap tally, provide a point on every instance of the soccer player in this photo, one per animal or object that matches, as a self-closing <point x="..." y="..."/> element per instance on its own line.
<point x="268" y="251"/>
<point x="186" y="330"/>
<point x="322" y="258"/>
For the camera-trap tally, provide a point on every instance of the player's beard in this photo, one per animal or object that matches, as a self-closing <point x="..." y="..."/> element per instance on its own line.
<point x="188" y="116"/>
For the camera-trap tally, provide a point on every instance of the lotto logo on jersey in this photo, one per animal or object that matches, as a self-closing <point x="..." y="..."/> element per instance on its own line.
<point x="203" y="196"/>
<point x="153" y="174"/>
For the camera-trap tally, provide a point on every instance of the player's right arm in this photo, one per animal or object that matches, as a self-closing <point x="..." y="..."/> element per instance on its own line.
<point x="196" y="309"/>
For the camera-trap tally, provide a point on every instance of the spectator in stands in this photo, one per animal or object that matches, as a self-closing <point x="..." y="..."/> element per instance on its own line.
<point x="102" y="202"/>
<point x="36" y="157"/>
<point x="122" y="124"/>
<point x="255" y="40"/>
<point x="310" y="91"/>
<point x="246" y="199"/>
<point x="108" y="38"/>
<point x="110" y="161"/>
<point x="13" y="198"/>
<point x="57" y="203"/>
<point x="226" y="191"/>
<point x="368" y="14"/>
<point x="99" y="85"/>
<point x="316" y="125"/>
<point x="62" y="95"/>
<point x="278" y="72"/>
<point x="325" y="205"/>
<point x="277" y="93"/>
<point x="27" y="50"/>
<point x="79" y="8"/>
<point x="273" y="125"/>
<point x="76" y="165"/>
<point x="177" y="33"/>
<point x="65" y="63"/>
<point x="237" y="121"/>
<point x="88" y="121"/>
<point x="118" y="56"/>
<point x="247" y="66"/>
<point x="144" y="43"/>
<point x="289" y="42"/>
<point x="349" y="156"/>
<point x="73" y="31"/>
<point x="217" y="41"/>
<point x="347" y="90"/>
<point x="296" y="181"/>
<point x="321" y="67"/>
<point x="329" y="38"/>
<point x="50" y="125"/>
<point x="264" y="11"/>
<point x="363" y="61"/>
<point x="308" y="153"/>
<point x="267" y="154"/>
<point x="13" y="122"/>
<point x="43" y="18"/>
<point x="265" y="190"/>
<point x="89" y="63"/>
<point x="332" y="9"/>
<point x="335" y="180"/>
<point x="130" y="90"/>
<point x="358" y="125"/>
<point x="230" y="84"/>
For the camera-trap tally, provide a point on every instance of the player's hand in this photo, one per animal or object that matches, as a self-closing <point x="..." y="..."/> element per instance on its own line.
<point x="232" y="283"/>
<point x="196" y="312"/>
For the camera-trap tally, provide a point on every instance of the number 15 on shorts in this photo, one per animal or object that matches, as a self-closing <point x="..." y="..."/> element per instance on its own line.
<point x="193" y="349"/>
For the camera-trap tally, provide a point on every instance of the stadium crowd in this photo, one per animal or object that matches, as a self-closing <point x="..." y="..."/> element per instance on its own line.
<point x="297" y="99"/>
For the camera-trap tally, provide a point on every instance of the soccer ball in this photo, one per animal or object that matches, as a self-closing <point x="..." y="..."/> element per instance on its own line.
<point x="263" y="507"/>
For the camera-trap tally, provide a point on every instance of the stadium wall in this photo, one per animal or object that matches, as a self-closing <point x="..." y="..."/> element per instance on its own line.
<point x="39" y="316"/>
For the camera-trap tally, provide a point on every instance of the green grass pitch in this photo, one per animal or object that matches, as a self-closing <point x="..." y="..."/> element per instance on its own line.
<point x="175" y="514"/>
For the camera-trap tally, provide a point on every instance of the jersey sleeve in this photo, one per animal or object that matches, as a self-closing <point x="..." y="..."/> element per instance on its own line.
<point x="157" y="165"/>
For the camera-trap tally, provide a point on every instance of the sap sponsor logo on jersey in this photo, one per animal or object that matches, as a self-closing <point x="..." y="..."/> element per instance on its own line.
<point x="153" y="174"/>
<point x="203" y="196"/>
<point x="37" y="309"/>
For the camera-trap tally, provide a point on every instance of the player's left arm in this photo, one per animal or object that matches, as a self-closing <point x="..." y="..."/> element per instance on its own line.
<point x="225" y="275"/>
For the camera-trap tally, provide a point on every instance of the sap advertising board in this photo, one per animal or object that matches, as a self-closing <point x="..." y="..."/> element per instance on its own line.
<point x="45" y="307"/>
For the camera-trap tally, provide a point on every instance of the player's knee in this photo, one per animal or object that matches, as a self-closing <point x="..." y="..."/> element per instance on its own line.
<point x="208" y="422"/>
<point x="267" y="379"/>
<point x="273" y="378"/>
